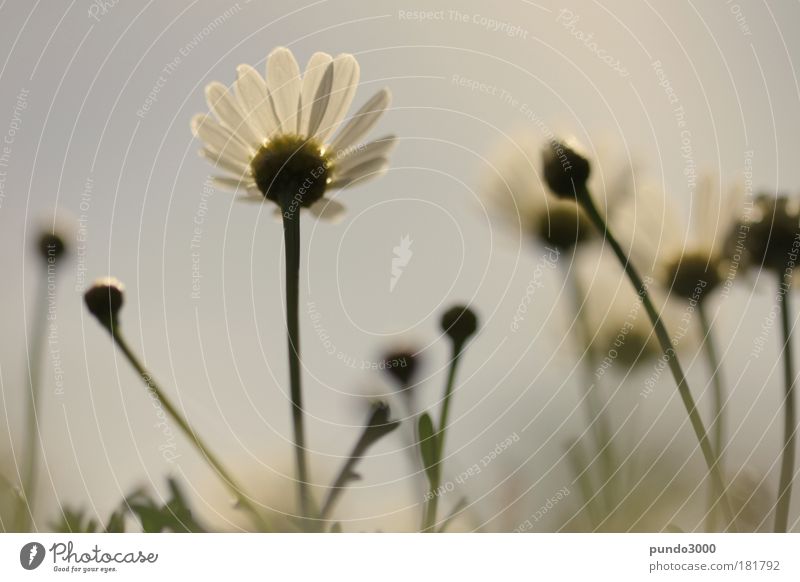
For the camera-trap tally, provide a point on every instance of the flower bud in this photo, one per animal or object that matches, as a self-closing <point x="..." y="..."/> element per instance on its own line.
<point x="402" y="366"/>
<point x="104" y="299"/>
<point x="565" y="170"/>
<point x="51" y="246"/>
<point x="460" y="323"/>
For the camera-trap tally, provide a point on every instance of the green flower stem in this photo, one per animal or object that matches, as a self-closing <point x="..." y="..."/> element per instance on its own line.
<point x="346" y="474"/>
<point x="577" y="460"/>
<point x="205" y="452"/>
<point x="291" y="235"/>
<point x="672" y="358"/>
<point x="716" y="378"/>
<point x="718" y="422"/>
<point x="24" y="515"/>
<point x="432" y="506"/>
<point x="596" y="416"/>
<point x="790" y="419"/>
<point x="378" y="425"/>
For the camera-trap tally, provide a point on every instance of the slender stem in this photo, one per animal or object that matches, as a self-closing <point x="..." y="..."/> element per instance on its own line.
<point x="346" y="474"/>
<point x="291" y="234"/>
<point x="433" y="502"/>
<point x="596" y="416"/>
<point x="205" y="452"/>
<point x="669" y="353"/>
<point x="33" y="443"/>
<point x="716" y="379"/>
<point x="577" y="460"/>
<point x="378" y="425"/>
<point x="718" y="420"/>
<point x="790" y="419"/>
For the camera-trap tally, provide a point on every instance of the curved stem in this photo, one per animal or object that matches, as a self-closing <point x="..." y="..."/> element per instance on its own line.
<point x="205" y="452"/>
<point x="433" y="503"/>
<point x="291" y="235"/>
<point x="669" y="353"/>
<point x="718" y="420"/>
<point x="24" y="516"/>
<point x="790" y="419"/>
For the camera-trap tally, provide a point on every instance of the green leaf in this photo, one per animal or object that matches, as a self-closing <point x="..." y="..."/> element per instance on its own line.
<point x="427" y="446"/>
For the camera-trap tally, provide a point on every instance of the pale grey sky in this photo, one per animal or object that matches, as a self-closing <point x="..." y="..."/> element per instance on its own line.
<point x="95" y="103"/>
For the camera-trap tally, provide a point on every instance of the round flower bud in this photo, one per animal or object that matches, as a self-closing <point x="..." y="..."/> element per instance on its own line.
<point x="104" y="299"/>
<point x="460" y="323"/>
<point x="51" y="246"/>
<point x="402" y="366"/>
<point x="565" y="170"/>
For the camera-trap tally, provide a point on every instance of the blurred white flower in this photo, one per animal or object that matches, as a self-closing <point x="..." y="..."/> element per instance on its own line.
<point x="617" y="326"/>
<point x="687" y="256"/>
<point x="273" y="136"/>
<point x="770" y="233"/>
<point x="514" y="187"/>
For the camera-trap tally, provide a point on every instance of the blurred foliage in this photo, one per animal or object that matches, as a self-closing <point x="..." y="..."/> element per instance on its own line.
<point x="174" y="516"/>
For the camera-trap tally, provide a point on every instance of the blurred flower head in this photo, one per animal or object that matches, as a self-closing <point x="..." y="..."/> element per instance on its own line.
<point x="516" y="190"/>
<point x="620" y="333"/>
<point x="460" y="323"/>
<point x="104" y="299"/>
<point x="773" y="232"/>
<point x="52" y="237"/>
<point x="402" y="366"/>
<point x="566" y="170"/>
<point x="688" y="257"/>
<point x="273" y="135"/>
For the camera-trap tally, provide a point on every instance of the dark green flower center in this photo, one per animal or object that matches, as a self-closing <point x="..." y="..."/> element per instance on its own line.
<point x="693" y="275"/>
<point x="564" y="225"/>
<point x="291" y="169"/>
<point x="773" y="237"/>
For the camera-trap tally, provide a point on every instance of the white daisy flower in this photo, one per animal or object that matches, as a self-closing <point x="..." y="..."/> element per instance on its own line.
<point x="515" y="188"/>
<point x="689" y="257"/>
<point x="771" y="232"/>
<point x="616" y="322"/>
<point x="280" y="138"/>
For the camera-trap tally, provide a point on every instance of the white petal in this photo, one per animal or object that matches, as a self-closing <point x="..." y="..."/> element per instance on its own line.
<point x="225" y="106"/>
<point x="355" y="156"/>
<point x="321" y="104"/>
<point x="251" y="197"/>
<point x="254" y="100"/>
<point x="327" y="209"/>
<point x="315" y="71"/>
<point x="220" y="139"/>
<point x="362" y="121"/>
<point x="228" y="183"/>
<point x="229" y="163"/>
<point x="345" y="82"/>
<point x="283" y="83"/>
<point x="370" y="169"/>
